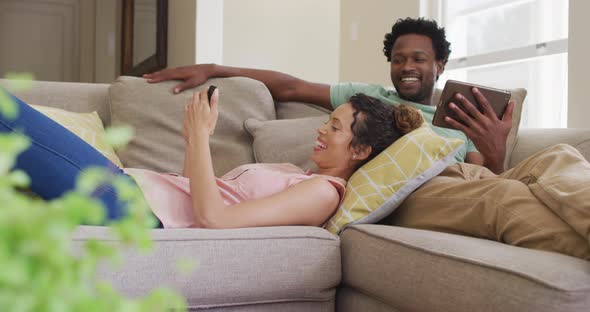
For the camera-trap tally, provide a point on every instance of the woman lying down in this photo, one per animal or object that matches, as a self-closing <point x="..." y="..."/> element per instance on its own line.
<point x="248" y="196"/>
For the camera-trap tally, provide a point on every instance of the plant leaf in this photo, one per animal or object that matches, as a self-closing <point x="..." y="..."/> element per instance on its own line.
<point x="119" y="136"/>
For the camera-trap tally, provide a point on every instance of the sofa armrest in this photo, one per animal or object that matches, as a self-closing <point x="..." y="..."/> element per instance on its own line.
<point x="533" y="140"/>
<point x="403" y="269"/>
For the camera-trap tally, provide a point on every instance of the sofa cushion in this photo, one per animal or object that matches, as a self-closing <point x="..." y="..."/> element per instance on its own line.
<point x="285" y="140"/>
<point x="157" y="115"/>
<point x="379" y="186"/>
<point x="291" y="110"/>
<point x="86" y="126"/>
<point x="73" y="97"/>
<point x="531" y="141"/>
<point x="418" y="270"/>
<point x="351" y="300"/>
<point x="236" y="268"/>
<point x="518" y="95"/>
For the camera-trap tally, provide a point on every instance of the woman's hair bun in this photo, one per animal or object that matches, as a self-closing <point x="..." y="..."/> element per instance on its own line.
<point x="407" y="118"/>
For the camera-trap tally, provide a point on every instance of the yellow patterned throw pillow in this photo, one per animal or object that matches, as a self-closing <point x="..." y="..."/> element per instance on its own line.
<point x="378" y="187"/>
<point x="87" y="126"/>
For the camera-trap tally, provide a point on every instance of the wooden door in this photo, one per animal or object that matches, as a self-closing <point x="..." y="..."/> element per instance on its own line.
<point x="52" y="39"/>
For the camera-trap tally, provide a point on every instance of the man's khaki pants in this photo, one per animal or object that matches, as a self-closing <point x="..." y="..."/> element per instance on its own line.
<point x="542" y="203"/>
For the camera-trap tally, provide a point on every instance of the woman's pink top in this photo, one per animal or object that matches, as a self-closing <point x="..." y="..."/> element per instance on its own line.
<point x="169" y="196"/>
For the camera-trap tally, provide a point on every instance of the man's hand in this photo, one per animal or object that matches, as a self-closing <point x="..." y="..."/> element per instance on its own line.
<point x="191" y="76"/>
<point x="488" y="133"/>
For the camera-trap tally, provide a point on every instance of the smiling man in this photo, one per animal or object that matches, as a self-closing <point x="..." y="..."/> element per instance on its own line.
<point x="418" y="52"/>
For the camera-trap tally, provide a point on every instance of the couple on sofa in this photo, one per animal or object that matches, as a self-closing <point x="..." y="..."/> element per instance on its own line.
<point x="538" y="204"/>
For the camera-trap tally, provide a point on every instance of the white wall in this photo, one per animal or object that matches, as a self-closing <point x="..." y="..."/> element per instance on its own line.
<point x="107" y="41"/>
<point x="300" y="37"/>
<point x="323" y="41"/>
<point x="303" y="38"/>
<point x="578" y="64"/>
<point x="209" y="31"/>
<point x="181" y="37"/>
<point x="87" y="40"/>
<point x="182" y="32"/>
<point x="364" y="24"/>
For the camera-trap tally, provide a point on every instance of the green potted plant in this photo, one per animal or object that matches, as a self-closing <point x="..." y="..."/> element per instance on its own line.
<point x="38" y="269"/>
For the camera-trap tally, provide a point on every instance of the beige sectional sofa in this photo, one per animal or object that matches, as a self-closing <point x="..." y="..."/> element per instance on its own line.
<point x="298" y="268"/>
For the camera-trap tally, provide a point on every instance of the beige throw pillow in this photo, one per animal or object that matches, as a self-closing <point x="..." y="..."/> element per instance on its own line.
<point x="86" y="126"/>
<point x="518" y="95"/>
<point x="285" y="140"/>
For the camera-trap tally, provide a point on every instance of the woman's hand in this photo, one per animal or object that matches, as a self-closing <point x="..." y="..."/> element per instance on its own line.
<point x="191" y="76"/>
<point x="200" y="116"/>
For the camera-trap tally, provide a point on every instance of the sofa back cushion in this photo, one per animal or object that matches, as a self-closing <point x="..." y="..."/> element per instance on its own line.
<point x="69" y="96"/>
<point x="285" y="140"/>
<point x="291" y="110"/>
<point x="157" y="115"/>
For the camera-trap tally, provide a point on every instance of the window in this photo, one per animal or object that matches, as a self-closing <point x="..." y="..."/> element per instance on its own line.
<point x="509" y="44"/>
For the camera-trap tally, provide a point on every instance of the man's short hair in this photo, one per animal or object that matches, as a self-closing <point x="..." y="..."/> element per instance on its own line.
<point x="419" y="26"/>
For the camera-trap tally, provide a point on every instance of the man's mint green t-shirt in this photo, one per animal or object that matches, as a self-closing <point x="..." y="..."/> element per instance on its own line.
<point x="340" y="93"/>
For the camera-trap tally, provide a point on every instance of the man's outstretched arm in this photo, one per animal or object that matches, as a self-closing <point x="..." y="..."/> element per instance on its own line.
<point x="282" y="87"/>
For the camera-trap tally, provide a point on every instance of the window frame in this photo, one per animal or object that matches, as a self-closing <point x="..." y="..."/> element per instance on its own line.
<point x="433" y="9"/>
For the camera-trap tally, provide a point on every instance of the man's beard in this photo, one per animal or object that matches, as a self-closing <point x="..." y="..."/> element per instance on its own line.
<point x="417" y="97"/>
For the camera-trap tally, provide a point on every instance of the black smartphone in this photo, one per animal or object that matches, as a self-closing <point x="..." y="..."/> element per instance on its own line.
<point x="498" y="99"/>
<point x="210" y="92"/>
